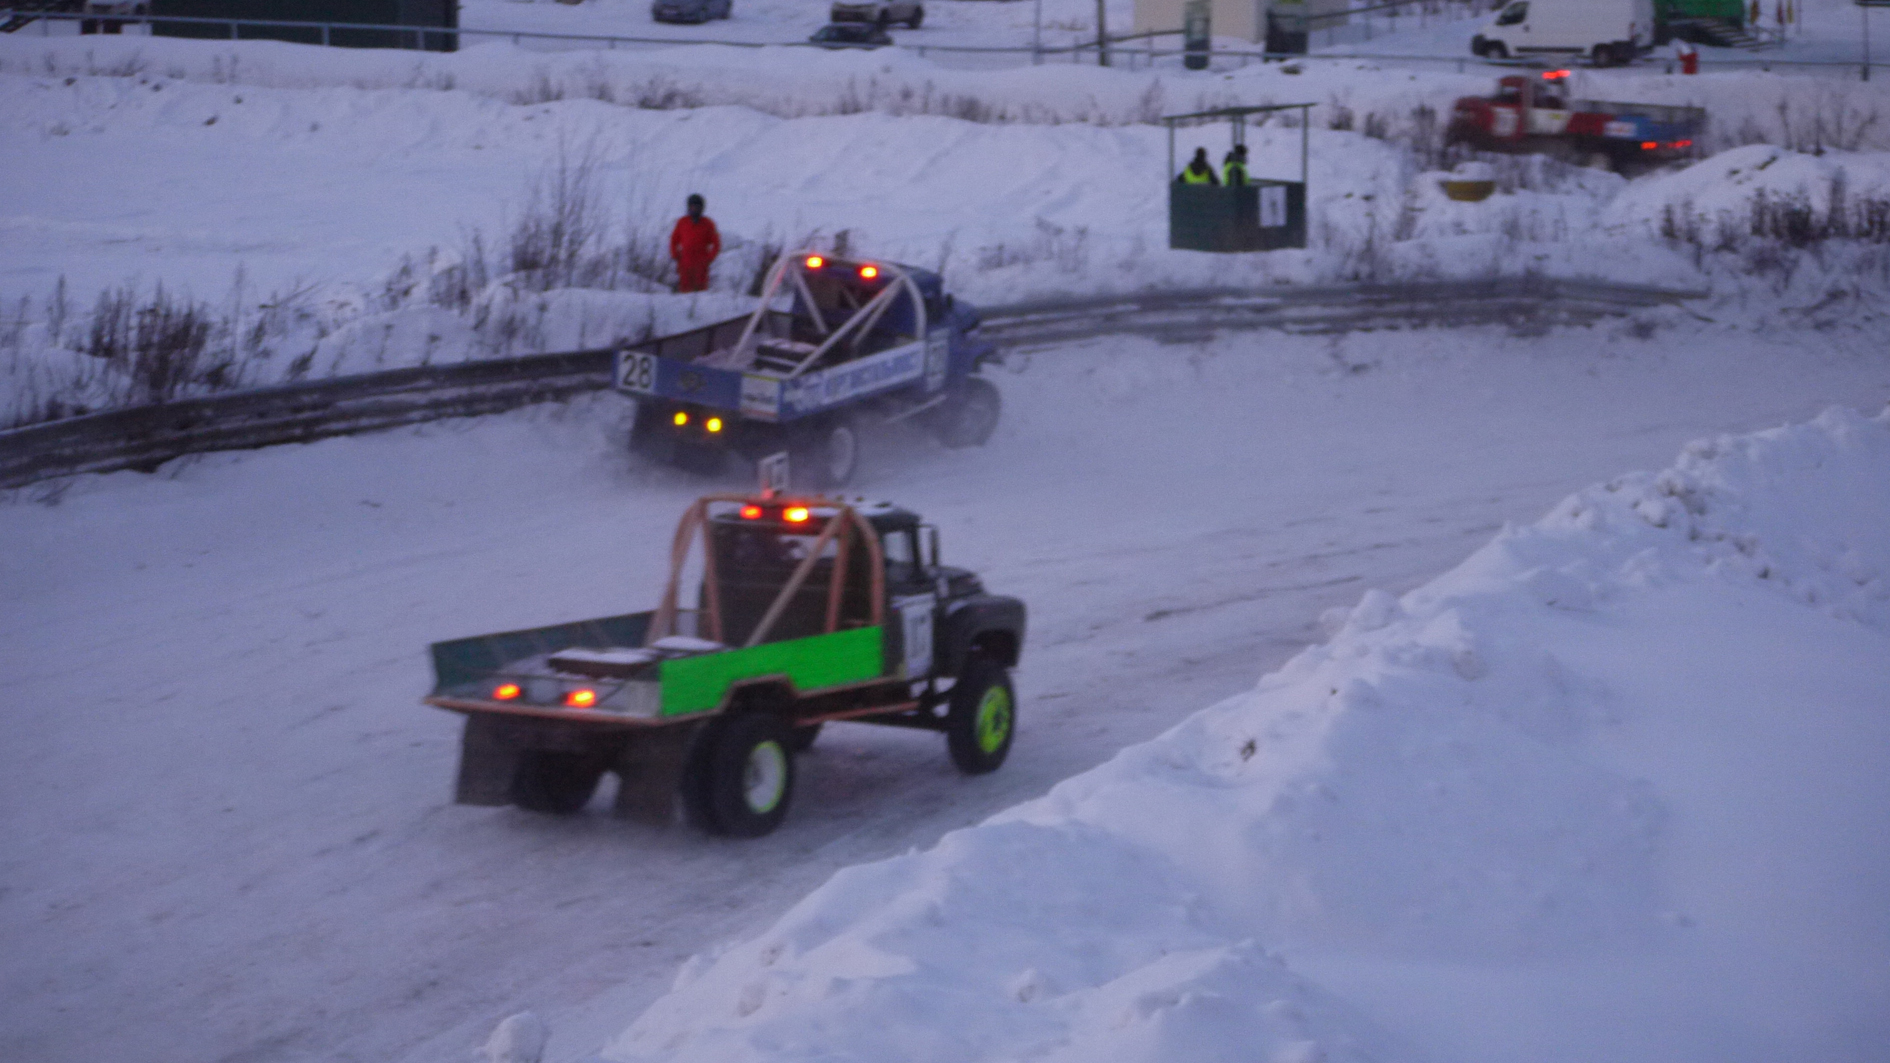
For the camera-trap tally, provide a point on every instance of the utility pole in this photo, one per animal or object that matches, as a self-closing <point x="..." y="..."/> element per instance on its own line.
<point x="1102" y="33"/>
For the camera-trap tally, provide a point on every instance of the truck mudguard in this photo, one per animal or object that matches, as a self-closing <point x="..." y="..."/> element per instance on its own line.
<point x="993" y="621"/>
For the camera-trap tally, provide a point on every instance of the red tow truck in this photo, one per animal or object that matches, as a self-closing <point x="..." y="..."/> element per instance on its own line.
<point x="1535" y="115"/>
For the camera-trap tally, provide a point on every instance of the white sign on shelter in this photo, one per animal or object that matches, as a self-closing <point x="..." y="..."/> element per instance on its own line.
<point x="1272" y="206"/>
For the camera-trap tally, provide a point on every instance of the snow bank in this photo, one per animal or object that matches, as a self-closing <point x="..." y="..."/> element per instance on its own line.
<point x="1459" y="779"/>
<point x="1720" y="190"/>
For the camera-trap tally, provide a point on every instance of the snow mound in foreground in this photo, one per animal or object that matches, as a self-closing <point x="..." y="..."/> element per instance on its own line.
<point x="1430" y="784"/>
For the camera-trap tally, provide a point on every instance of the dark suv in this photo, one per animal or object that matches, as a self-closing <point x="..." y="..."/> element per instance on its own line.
<point x="690" y="10"/>
<point x="851" y="35"/>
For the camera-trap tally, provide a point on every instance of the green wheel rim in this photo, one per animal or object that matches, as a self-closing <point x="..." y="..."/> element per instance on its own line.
<point x="764" y="777"/>
<point x="994" y="719"/>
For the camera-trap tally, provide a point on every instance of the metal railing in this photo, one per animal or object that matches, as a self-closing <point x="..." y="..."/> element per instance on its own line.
<point x="145" y="437"/>
<point x="1077" y="51"/>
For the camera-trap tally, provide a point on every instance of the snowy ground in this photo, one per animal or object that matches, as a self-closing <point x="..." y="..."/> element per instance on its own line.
<point x="1606" y="790"/>
<point x="225" y="815"/>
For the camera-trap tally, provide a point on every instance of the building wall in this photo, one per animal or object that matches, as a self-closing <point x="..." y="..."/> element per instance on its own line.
<point x="1243" y="19"/>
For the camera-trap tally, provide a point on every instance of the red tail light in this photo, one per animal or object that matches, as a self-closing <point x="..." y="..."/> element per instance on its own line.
<point x="867" y="273"/>
<point x="815" y="262"/>
<point x="751" y="512"/>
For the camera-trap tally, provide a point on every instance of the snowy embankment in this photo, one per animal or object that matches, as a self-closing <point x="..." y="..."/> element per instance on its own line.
<point x="428" y="176"/>
<point x="1610" y="789"/>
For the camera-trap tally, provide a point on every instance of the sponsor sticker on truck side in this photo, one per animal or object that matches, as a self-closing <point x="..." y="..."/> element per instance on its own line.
<point x="817" y="391"/>
<point x="761" y="397"/>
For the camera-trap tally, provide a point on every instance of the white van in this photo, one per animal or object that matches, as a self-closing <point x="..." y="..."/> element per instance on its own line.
<point x="1608" y="31"/>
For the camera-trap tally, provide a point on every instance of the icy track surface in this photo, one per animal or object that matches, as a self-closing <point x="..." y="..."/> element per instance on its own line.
<point x="226" y="819"/>
<point x="1609" y="789"/>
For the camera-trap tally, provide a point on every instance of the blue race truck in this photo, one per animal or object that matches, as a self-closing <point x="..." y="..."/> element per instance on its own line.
<point x="835" y="344"/>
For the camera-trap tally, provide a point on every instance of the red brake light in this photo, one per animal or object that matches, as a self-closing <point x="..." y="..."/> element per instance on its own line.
<point x="751" y="512"/>
<point x="867" y="273"/>
<point x="506" y="692"/>
<point x="1649" y="145"/>
<point x="582" y="698"/>
<point x="815" y="262"/>
<point x="795" y="514"/>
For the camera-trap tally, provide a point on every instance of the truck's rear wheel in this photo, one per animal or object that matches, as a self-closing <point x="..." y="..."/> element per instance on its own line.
<point x="828" y="456"/>
<point x="558" y="783"/>
<point x="967" y="418"/>
<point x="747" y="776"/>
<point x="982" y="717"/>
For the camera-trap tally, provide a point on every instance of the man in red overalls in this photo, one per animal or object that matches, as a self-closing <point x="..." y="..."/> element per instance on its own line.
<point x="694" y="243"/>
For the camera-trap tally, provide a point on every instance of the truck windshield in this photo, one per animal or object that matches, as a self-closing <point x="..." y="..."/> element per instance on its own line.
<point x="1513" y="14"/>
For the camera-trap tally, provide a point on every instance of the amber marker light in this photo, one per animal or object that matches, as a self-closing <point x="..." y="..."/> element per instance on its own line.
<point x="751" y="512"/>
<point x="506" y="692"/>
<point x="815" y="262"/>
<point x="795" y="514"/>
<point x="867" y="273"/>
<point x="713" y="424"/>
<point x="582" y="698"/>
<point x="681" y="418"/>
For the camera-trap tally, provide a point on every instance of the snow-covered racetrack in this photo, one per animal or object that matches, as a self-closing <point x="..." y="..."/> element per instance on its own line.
<point x="226" y="819"/>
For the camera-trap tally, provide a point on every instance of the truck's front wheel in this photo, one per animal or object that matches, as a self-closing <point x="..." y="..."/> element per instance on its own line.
<point x="559" y="783"/>
<point x="982" y="717"/>
<point x="747" y="776"/>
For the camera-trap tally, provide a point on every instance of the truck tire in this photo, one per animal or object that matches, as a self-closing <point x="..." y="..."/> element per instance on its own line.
<point x="982" y="718"/>
<point x="556" y="783"/>
<point x="828" y="456"/>
<point x="968" y="417"/>
<point x="747" y="776"/>
<point x="1496" y="50"/>
<point x="801" y="739"/>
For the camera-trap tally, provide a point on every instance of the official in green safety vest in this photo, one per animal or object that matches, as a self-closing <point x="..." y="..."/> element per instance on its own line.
<point x="1234" y="167"/>
<point x="1198" y="171"/>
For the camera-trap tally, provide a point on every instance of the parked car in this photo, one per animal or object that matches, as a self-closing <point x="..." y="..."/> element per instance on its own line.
<point x="851" y="35"/>
<point x="690" y="10"/>
<point x="1606" y="31"/>
<point x="882" y="12"/>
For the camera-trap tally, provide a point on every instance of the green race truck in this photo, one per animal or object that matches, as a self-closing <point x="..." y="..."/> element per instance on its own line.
<point x="807" y="610"/>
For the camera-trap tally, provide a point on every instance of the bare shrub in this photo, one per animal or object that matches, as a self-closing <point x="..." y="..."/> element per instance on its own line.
<point x="1066" y="247"/>
<point x="159" y="345"/>
<point x="541" y="89"/>
<point x="557" y="242"/>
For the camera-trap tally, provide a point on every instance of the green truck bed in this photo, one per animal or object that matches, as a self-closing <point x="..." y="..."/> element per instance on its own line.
<point x="516" y="671"/>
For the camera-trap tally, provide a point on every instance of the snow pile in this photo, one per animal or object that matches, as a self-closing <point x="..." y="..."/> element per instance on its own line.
<point x="1582" y="758"/>
<point x="1719" y="192"/>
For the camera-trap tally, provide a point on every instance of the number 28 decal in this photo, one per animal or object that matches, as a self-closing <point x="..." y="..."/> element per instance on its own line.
<point x="636" y="372"/>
